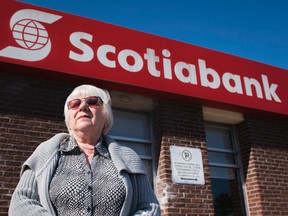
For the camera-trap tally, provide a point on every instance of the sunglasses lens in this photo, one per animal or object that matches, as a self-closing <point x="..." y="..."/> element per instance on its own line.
<point x="92" y="101"/>
<point x="74" y="104"/>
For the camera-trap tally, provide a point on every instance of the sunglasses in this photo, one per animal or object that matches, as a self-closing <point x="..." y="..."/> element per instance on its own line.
<point x="92" y="101"/>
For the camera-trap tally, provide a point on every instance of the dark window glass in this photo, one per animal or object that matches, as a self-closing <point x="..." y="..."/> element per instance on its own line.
<point x="225" y="171"/>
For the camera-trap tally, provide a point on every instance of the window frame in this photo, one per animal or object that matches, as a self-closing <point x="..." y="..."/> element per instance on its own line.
<point x="237" y="166"/>
<point x="150" y="142"/>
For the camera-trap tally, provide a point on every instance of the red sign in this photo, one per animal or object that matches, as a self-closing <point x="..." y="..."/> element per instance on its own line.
<point x="65" y="43"/>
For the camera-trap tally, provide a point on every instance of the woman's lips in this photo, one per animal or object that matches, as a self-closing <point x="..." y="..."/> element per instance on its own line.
<point x="84" y="116"/>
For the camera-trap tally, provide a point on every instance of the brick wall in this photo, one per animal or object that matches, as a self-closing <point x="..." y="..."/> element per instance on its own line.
<point x="264" y="147"/>
<point x="181" y="125"/>
<point x="30" y="112"/>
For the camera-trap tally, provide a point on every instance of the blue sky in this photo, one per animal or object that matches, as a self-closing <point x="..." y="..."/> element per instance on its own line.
<point x="252" y="29"/>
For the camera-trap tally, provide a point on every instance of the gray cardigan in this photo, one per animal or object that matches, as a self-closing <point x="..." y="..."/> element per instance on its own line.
<point x="31" y="196"/>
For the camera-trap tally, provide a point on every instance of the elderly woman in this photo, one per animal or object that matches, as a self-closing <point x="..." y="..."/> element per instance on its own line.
<point x="84" y="172"/>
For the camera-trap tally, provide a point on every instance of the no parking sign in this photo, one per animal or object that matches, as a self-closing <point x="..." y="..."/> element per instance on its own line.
<point x="187" y="165"/>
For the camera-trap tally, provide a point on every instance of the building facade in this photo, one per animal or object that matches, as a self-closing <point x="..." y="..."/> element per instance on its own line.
<point x="239" y="126"/>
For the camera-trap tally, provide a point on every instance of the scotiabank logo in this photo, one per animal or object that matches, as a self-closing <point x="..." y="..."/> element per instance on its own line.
<point x="31" y="36"/>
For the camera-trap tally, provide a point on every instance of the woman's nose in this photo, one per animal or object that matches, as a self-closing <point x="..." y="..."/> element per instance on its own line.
<point x="83" y="105"/>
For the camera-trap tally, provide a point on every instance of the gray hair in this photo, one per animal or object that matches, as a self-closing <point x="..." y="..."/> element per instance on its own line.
<point x="90" y="90"/>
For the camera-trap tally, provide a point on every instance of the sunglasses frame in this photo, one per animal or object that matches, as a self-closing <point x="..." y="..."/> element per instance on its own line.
<point x="99" y="101"/>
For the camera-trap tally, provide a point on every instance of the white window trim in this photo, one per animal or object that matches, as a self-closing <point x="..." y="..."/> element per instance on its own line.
<point x="222" y="116"/>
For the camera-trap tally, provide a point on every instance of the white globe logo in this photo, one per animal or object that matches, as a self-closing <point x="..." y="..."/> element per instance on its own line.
<point x="30" y="34"/>
<point x="33" y="42"/>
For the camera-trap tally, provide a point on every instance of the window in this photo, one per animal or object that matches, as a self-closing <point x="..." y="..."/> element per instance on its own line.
<point x="133" y="129"/>
<point x="225" y="170"/>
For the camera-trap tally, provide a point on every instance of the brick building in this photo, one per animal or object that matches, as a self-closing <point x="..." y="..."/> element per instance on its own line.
<point x="244" y="148"/>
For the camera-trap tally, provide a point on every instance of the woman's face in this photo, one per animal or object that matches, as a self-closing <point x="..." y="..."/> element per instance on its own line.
<point x="86" y="119"/>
